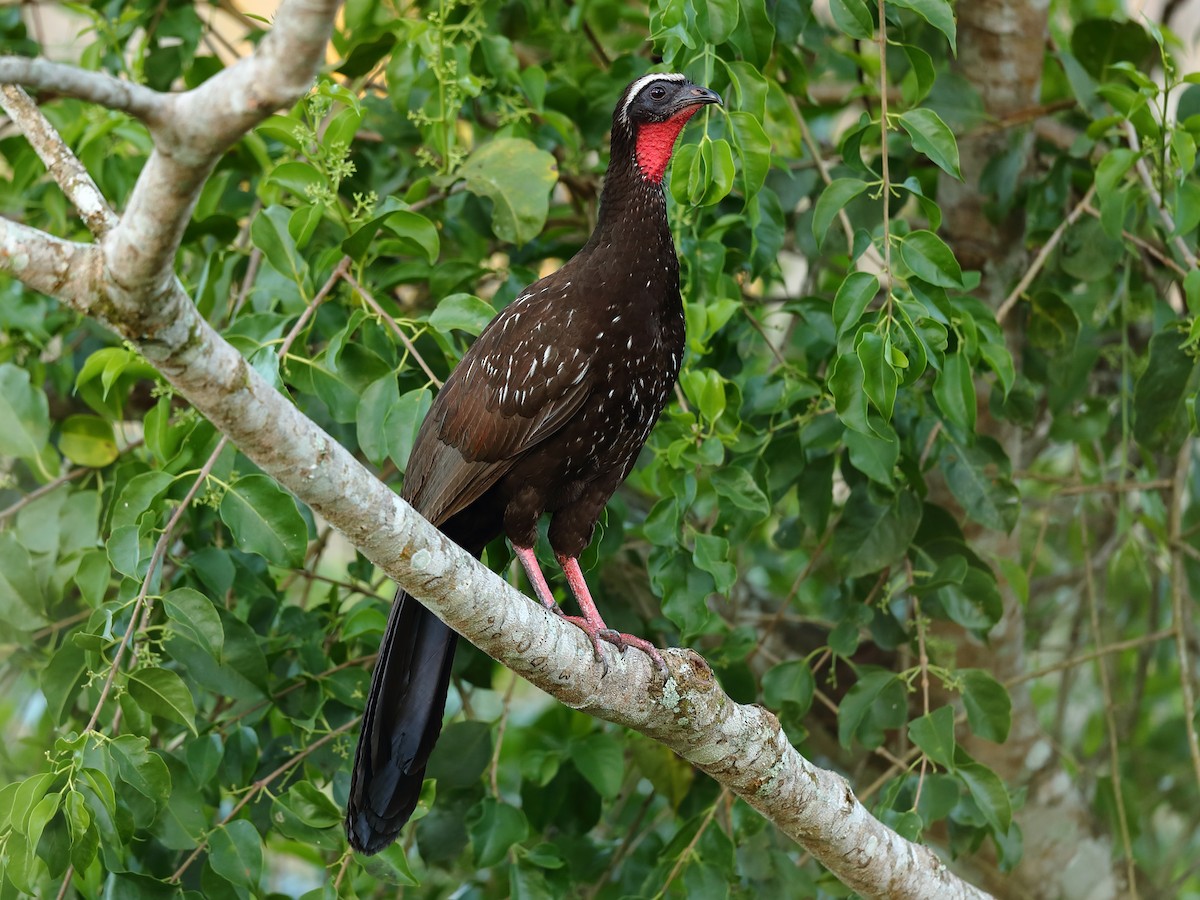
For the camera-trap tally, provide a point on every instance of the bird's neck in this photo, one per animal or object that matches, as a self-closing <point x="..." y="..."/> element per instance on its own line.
<point x="632" y="224"/>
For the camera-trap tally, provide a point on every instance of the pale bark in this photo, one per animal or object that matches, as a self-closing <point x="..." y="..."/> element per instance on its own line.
<point x="127" y="281"/>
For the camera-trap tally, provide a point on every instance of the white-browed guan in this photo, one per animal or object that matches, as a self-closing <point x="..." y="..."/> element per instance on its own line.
<point x="545" y="414"/>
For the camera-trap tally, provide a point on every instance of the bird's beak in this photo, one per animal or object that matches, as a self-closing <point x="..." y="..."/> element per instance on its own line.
<point x="695" y="96"/>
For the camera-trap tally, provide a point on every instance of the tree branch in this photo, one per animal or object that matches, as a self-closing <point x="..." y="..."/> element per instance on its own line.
<point x="138" y="100"/>
<point x="50" y="265"/>
<point x="70" y="174"/>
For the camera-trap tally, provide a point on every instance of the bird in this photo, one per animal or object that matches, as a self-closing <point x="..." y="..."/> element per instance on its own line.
<point x="545" y="414"/>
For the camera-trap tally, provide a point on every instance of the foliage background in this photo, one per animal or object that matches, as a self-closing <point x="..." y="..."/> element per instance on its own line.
<point x="879" y="514"/>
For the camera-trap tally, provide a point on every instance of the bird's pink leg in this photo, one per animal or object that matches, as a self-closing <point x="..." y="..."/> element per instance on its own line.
<point x="591" y="623"/>
<point x="533" y="572"/>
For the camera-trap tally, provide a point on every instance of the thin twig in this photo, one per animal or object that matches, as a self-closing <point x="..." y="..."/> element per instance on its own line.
<point x="1074" y="661"/>
<point x="923" y="662"/>
<point x="687" y="851"/>
<point x="1042" y="255"/>
<point x="396" y="329"/>
<point x="1179" y="606"/>
<point x="786" y="601"/>
<point x="1148" y="181"/>
<point x="1114" y="743"/>
<point x="811" y="143"/>
<point x="261" y="785"/>
<point x="69" y="475"/>
<point x="1144" y="244"/>
<point x="62" y="164"/>
<point x="156" y="558"/>
<point x="757" y="326"/>
<point x="883" y="154"/>
<point x="631" y="840"/>
<point x="495" y="765"/>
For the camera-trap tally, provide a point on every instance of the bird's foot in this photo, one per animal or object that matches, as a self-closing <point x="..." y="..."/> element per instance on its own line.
<point x="597" y="631"/>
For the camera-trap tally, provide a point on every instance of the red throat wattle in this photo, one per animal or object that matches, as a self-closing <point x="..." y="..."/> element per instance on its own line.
<point x="656" y="141"/>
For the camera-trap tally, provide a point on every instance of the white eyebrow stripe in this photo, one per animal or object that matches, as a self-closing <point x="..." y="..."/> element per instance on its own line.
<point x="641" y="83"/>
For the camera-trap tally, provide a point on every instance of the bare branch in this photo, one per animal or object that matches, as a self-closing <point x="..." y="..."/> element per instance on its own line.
<point x="138" y="100"/>
<point x="1044" y="254"/>
<point x="63" y="269"/>
<point x="196" y="128"/>
<point x="70" y="174"/>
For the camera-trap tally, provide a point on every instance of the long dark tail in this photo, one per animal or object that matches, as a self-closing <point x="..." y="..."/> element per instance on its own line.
<point x="400" y="725"/>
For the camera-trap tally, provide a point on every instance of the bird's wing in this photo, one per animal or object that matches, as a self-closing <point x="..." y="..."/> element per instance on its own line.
<point x="521" y="380"/>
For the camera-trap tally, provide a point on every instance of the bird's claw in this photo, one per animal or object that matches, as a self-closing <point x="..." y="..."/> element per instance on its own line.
<point x="620" y="640"/>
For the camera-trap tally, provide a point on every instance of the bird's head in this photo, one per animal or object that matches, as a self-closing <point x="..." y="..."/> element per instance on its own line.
<point x="652" y="111"/>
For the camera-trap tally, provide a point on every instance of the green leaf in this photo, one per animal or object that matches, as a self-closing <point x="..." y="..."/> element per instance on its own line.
<point x="833" y="200"/>
<point x="26" y="417"/>
<point x="919" y="79"/>
<point x="876" y="702"/>
<point x="989" y="707"/>
<point x="235" y="852"/>
<point x="986" y="789"/>
<point x="1111" y="169"/>
<point x="704" y="388"/>
<point x="875" y="532"/>
<point x="852" y="18"/>
<point x="1101" y="42"/>
<point x="372" y="417"/>
<point x="263" y="519"/>
<point x="270" y="234"/>
<point x="717" y="19"/>
<point x="931" y="260"/>
<point x="754" y="150"/>
<point x="124" y="548"/>
<point x="934" y="734"/>
<point x="978" y="477"/>
<point x="712" y="556"/>
<point x="61" y="680"/>
<point x="954" y="392"/>
<point x="87" y="441"/>
<point x="1186" y="208"/>
<point x="516" y="175"/>
<point x="161" y="692"/>
<point x="1159" y="393"/>
<point x="738" y="487"/>
<point x="139" y="494"/>
<point x="852" y="298"/>
<point x="789" y="683"/>
<point x="846" y="383"/>
<point x="464" y="312"/>
<point x="416" y="229"/>
<point x="22" y="602"/>
<point x="880" y="380"/>
<point x="931" y="136"/>
<point x="496" y="829"/>
<point x="404" y="421"/>
<point x="140" y="767"/>
<point x="937" y="13"/>
<point x="297" y="177"/>
<point x="874" y="456"/>
<point x="462" y="755"/>
<point x="600" y="758"/>
<point x="718" y="163"/>
<point x="194" y="615"/>
<point x="311" y="806"/>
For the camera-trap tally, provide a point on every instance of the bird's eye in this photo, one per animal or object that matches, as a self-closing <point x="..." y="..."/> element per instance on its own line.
<point x="658" y="93"/>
